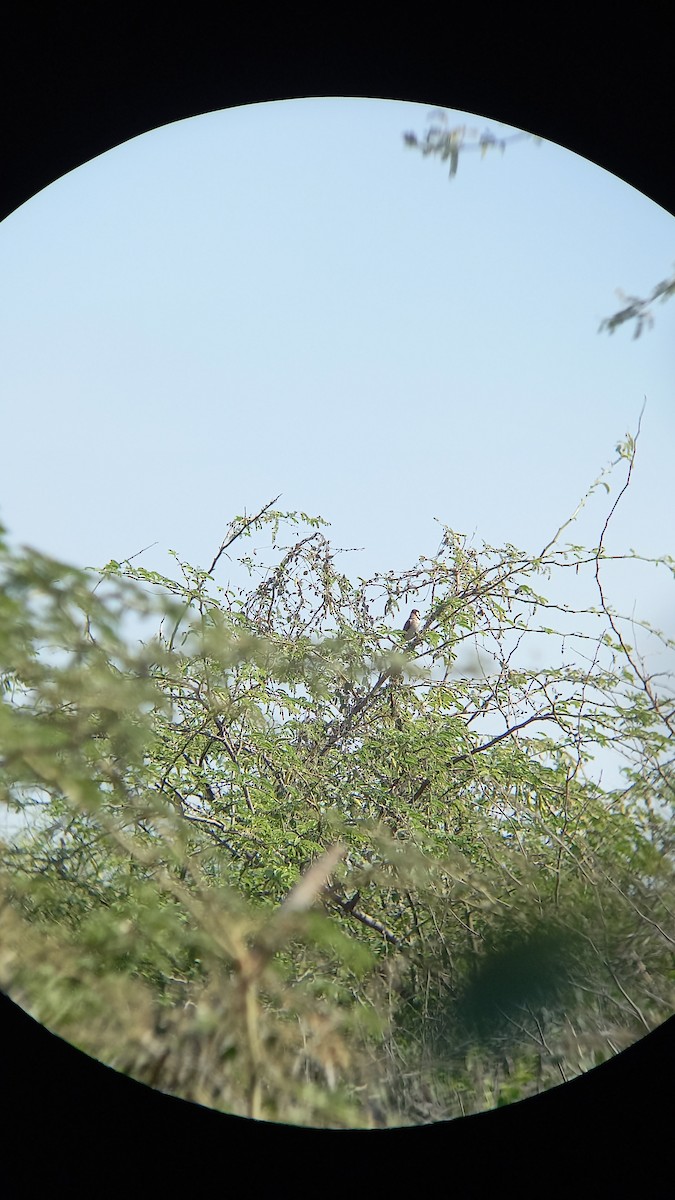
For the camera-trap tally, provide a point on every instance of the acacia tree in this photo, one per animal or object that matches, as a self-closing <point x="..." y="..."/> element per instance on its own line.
<point x="283" y="862"/>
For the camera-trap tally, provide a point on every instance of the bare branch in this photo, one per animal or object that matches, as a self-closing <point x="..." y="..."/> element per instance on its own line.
<point x="238" y="527"/>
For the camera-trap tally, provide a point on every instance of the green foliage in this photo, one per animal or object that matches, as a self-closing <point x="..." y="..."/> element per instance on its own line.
<point x="448" y="142"/>
<point x="277" y="861"/>
<point x="637" y="309"/>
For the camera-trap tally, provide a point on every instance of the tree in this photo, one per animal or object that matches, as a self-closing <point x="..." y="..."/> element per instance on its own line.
<point x="286" y="862"/>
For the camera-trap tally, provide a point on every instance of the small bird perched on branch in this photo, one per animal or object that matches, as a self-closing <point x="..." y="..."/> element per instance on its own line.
<point x="411" y="630"/>
<point x="412" y="625"/>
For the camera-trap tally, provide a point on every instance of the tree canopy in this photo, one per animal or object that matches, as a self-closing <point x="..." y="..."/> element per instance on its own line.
<point x="279" y="859"/>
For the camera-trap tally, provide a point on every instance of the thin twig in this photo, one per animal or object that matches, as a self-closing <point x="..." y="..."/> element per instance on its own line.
<point x="237" y="531"/>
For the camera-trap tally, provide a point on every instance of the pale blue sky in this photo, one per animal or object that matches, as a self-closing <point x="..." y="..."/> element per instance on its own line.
<point x="283" y="298"/>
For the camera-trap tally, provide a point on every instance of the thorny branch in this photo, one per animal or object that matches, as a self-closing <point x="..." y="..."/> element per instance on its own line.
<point x="468" y="754"/>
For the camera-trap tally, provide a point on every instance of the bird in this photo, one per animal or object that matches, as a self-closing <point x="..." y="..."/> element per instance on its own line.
<point x="412" y="625"/>
<point x="411" y="630"/>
